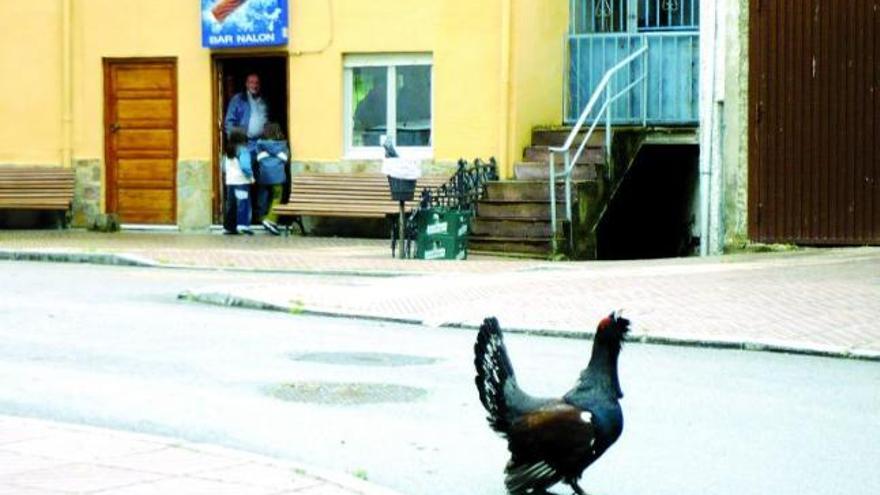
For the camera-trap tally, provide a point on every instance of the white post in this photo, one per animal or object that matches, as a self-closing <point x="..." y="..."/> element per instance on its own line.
<point x="711" y="101"/>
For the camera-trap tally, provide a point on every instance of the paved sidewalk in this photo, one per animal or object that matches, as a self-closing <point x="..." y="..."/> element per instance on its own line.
<point x="819" y="301"/>
<point x="295" y="254"/>
<point x="815" y="301"/>
<point x="45" y="458"/>
<point x="823" y="302"/>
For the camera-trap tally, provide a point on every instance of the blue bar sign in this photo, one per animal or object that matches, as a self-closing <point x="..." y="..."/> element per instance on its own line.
<point x="243" y="23"/>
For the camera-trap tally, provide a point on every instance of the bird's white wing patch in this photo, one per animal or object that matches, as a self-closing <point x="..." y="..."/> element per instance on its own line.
<point x="587" y="417"/>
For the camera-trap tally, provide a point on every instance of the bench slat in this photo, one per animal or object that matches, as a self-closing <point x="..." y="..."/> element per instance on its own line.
<point x="348" y="195"/>
<point x="36" y="188"/>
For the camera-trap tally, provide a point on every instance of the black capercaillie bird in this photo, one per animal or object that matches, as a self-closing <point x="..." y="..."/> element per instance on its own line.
<point x="552" y="440"/>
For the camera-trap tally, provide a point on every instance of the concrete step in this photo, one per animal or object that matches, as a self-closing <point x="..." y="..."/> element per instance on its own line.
<point x="557" y="137"/>
<point x="524" y="228"/>
<point x="538" y="248"/>
<point x="541" y="171"/>
<point x="542" y="154"/>
<point x="536" y="210"/>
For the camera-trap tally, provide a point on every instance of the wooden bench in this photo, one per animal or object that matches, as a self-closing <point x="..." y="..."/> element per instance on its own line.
<point x="36" y="188"/>
<point x="347" y="195"/>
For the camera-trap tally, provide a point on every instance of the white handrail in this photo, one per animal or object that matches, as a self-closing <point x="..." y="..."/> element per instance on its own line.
<point x="598" y="91"/>
<point x="565" y="149"/>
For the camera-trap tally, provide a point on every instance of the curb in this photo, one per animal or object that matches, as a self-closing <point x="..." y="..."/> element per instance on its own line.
<point x="78" y="257"/>
<point x="229" y="300"/>
<point x="113" y="259"/>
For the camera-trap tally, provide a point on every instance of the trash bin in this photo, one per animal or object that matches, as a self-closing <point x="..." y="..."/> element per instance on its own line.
<point x="402" y="175"/>
<point x="443" y="234"/>
<point x="402" y="189"/>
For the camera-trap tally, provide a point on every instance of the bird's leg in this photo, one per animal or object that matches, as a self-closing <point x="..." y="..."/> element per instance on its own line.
<point x="577" y="489"/>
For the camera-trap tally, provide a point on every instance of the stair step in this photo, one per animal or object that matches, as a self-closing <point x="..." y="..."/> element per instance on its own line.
<point x="528" y="228"/>
<point x="541" y="171"/>
<point x="536" y="210"/>
<point x="557" y="137"/>
<point x="522" y="190"/>
<point x="511" y="245"/>
<point x="593" y="154"/>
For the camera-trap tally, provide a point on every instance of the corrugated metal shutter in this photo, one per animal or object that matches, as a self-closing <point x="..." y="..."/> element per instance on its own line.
<point x="814" y="110"/>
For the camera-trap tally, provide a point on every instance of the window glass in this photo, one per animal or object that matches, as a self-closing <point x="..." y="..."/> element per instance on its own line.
<point x="413" y="105"/>
<point x="370" y="104"/>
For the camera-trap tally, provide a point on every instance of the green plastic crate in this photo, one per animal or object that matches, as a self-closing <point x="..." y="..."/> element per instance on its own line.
<point x="441" y="221"/>
<point x="441" y="247"/>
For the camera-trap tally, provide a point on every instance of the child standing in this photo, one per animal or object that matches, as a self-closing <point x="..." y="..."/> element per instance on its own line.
<point x="239" y="176"/>
<point x="272" y="155"/>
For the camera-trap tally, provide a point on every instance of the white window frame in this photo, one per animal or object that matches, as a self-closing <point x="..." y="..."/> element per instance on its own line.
<point x="391" y="61"/>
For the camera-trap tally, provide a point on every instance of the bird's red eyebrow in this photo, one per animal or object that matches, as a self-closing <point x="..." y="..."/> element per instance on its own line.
<point x="605" y="322"/>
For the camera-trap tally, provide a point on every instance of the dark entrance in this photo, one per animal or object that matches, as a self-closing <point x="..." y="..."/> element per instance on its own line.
<point x="654" y="212"/>
<point x="230" y="72"/>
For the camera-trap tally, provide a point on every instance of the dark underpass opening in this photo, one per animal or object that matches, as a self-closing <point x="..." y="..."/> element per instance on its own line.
<point x="654" y="213"/>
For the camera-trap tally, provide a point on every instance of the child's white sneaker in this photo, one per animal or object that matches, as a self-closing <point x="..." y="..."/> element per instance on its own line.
<point x="271" y="227"/>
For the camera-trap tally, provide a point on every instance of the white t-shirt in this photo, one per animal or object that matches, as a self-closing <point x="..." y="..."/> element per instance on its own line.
<point x="258" y="116"/>
<point x="234" y="175"/>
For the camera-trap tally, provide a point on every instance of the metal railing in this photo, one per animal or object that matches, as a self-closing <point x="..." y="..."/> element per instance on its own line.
<point x="570" y="160"/>
<point x="461" y="192"/>
<point x="465" y="188"/>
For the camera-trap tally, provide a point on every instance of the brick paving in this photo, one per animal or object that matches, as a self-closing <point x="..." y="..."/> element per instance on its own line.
<point x="813" y="300"/>
<point x="46" y="458"/>
<point x="259" y="252"/>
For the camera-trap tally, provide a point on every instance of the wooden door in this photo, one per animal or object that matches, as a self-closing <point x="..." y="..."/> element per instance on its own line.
<point x="140" y="139"/>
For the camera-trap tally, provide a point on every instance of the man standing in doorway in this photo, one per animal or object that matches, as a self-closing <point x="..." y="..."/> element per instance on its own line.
<point x="248" y="111"/>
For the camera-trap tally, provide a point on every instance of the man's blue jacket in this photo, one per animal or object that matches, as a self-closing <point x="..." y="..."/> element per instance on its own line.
<point x="238" y="113"/>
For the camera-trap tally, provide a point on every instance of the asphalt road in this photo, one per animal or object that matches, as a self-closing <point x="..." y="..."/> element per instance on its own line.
<point x="113" y="347"/>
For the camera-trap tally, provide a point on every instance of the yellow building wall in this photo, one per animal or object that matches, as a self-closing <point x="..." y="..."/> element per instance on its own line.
<point x="30" y="82"/>
<point x="462" y="35"/>
<point x="134" y="28"/>
<point x="466" y="38"/>
<point x="538" y="31"/>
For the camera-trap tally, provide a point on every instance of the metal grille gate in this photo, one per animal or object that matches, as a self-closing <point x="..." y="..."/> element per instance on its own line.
<point x="603" y="32"/>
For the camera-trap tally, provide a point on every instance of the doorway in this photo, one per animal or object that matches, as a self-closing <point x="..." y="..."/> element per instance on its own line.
<point x="653" y="213"/>
<point x="229" y="75"/>
<point x="140" y="140"/>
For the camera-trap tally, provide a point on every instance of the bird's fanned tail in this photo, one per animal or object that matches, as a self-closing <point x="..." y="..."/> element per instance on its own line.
<point x="494" y="374"/>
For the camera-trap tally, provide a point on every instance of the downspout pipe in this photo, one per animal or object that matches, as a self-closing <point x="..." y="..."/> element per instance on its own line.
<point x="67" y="83"/>
<point x="708" y="125"/>
<point x="504" y="97"/>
